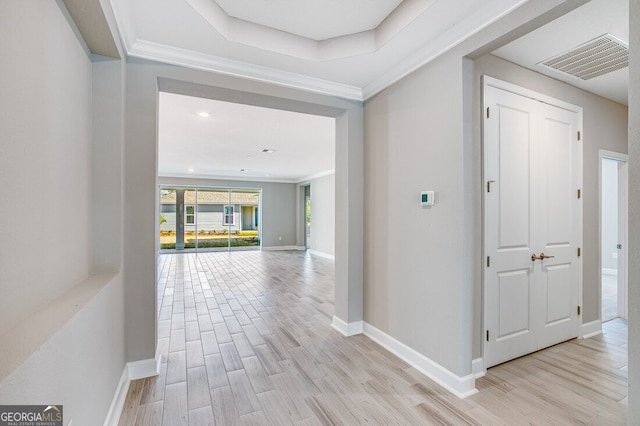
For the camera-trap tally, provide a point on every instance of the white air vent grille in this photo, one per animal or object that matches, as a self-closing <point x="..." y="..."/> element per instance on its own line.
<point x="592" y="59"/>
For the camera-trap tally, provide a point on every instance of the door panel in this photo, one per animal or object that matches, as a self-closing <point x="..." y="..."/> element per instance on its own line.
<point x="513" y="176"/>
<point x="532" y="164"/>
<point x="514" y="289"/>
<point x="509" y="159"/>
<point x="559" y="293"/>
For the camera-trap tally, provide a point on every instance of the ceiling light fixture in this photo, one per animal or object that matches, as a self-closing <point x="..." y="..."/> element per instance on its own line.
<point x="204" y="114"/>
<point x="268" y="151"/>
<point x="191" y="170"/>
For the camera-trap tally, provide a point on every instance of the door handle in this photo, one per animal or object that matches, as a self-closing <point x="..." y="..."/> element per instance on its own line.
<point x="541" y="257"/>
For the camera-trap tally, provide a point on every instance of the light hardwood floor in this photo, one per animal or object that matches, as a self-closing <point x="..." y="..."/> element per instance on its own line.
<point x="245" y="339"/>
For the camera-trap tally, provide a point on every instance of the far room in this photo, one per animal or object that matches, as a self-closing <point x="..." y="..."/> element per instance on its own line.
<point x="234" y="176"/>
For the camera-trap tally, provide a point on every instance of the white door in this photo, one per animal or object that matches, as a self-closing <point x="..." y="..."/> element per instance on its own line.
<point x="532" y="167"/>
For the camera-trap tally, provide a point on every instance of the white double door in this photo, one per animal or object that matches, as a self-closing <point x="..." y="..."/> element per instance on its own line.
<point x="532" y="223"/>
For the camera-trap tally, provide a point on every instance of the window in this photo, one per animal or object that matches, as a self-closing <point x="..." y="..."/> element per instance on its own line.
<point x="227" y="218"/>
<point x="189" y="215"/>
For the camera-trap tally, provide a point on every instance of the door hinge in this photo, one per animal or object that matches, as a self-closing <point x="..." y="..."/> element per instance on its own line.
<point x="489" y="182"/>
<point x="579" y="193"/>
<point x="579" y="310"/>
<point x="488" y="261"/>
<point x="488" y="113"/>
<point x="579" y="252"/>
<point x="487" y="335"/>
<point x="578" y="134"/>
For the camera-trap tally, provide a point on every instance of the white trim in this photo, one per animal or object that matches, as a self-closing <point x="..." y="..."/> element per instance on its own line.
<point x="196" y="60"/>
<point x="347" y="328"/>
<point x="609" y="271"/>
<point x="590" y="329"/>
<point x="316" y="176"/>
<point x="282" y="248"/>
<point x="321" y="254"/>
<point x="523" y="91"/>
<point x="132" y="371"/>
<point x="439" y="46"/>
<point x="477" y="368"/>
<point x="461" y="387"/>
<point x="144" y="368"/>
<point x="117" y="404"/>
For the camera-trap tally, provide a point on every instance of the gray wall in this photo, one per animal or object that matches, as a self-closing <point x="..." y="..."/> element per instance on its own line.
<point x="323" y="215"/>
<point x="604" y="127"/>
<point x="62" y="326"/>
<point x="278" y="205"/>
<point x="422" y="267"/>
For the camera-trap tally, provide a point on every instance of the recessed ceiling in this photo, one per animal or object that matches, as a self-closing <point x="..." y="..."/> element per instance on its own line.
<point x="577" y="27"/>
<point x="240" y="141"/>
<point x="202" y="34"/>
<point x="314" y="19"/>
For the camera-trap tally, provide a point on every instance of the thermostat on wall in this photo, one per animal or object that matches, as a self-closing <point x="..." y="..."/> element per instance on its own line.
<point x="427" y="198"/>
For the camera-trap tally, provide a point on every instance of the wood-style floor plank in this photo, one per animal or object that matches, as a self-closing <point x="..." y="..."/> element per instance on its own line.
<point x="245" y="339"/>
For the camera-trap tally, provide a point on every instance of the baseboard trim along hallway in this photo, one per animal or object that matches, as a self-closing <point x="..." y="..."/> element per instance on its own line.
<point x="132" y="371"/>
<point x="461" y="387"/>
<point x="347" y="328"/>
<point x="590" y="329"/>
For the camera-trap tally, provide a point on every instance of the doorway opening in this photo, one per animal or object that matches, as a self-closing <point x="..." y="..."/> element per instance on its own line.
<point x="613" y="235"/>
<point x="209" y="219"/>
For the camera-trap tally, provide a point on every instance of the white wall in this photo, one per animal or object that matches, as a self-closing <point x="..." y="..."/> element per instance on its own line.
<point x="634" y="213"/>
<point x="61" y="324"/>
<point x="323" y="215"/>
<point x="45" y="158"/>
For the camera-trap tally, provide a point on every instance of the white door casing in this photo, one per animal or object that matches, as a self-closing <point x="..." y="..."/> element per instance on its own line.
<point x="532" y="171"/>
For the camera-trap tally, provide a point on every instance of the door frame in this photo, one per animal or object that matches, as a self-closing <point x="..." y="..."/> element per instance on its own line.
<point x="623" y="229"/>
<point x="488" y="81"/>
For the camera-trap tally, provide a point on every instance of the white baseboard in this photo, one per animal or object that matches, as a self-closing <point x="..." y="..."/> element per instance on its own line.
<point x="590" y="329"/>
<point x="117" y="404"/>
<point x="607" y="271"/>
<point x="347" y="329"/>
<point x="462" y="387"/>
<point x="321" y="254"/>
<point x="132" y="371"/>
<point x="278" y="248"/>
<point x="477" y="368"/>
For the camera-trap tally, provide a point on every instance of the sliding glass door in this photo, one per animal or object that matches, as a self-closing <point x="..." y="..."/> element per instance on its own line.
<point x="208" y="219"/>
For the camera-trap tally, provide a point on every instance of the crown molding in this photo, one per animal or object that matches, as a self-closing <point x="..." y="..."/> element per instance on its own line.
<point x="172" y="55"/>
<point x="482" y="18"/>
<point x="442" y="44"/>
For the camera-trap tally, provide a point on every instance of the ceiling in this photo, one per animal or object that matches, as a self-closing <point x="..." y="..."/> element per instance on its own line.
<point x="350" y="49"/>
<point x="581" y="25"/>
<point x="370" y="44"/>
<point x="229" y="138"/>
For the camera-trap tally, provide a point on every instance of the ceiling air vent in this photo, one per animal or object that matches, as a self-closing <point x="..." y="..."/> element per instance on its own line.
<point x="597" y="57"/>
